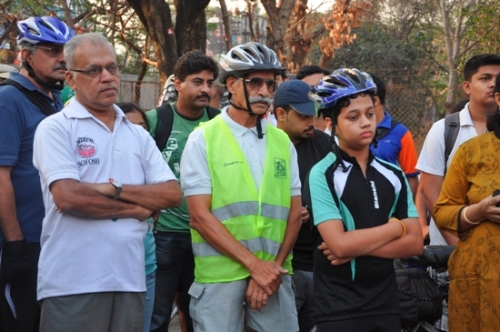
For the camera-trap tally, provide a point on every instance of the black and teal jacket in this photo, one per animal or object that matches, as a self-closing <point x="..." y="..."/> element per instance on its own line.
<point x="366" y="285"/>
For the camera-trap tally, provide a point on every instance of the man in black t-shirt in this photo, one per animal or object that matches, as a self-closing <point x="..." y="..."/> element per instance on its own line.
<point x="295" y="114"/>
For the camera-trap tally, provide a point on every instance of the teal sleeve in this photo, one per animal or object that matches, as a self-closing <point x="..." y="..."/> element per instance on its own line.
<point x="323" y="206"/>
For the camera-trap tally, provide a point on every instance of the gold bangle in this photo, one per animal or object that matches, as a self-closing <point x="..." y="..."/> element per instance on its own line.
<point x="402" y="224"/>
<point x="467" y="219"/>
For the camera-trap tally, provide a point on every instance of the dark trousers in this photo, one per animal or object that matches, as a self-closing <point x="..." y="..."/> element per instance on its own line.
<point x="381" y="323"/>
<point x="21" y="300"/>
<point x="175" y="273"/>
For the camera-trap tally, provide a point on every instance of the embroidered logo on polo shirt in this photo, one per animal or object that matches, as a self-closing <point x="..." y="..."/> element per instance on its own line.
<point x="86" y="147"/>
<point x="279" y="168"/>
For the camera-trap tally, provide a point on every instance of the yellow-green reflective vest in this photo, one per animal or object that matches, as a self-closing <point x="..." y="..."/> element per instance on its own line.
<point x="257" y="219"/>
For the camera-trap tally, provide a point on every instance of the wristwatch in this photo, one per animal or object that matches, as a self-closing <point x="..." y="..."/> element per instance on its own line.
<point x="118" y="187"/>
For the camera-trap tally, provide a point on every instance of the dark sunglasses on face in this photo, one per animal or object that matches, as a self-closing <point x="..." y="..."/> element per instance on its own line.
<point x="255" y="83"/>
<point x="52" y="51"/>
<point x="95" y="70"/>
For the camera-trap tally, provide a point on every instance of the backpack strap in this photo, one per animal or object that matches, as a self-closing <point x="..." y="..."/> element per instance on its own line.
<point x="451" y="129"/>
<point x="165" y="115"/>
<point x="212" y="112"/>
<point x="34" y="96"/>
<point x="381" y="131"/>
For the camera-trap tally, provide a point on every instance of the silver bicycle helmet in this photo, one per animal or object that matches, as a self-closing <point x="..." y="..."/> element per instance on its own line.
<point x="246" y="58"/>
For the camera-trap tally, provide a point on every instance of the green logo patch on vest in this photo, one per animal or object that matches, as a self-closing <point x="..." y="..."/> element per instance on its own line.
<point x="280" y="168"/>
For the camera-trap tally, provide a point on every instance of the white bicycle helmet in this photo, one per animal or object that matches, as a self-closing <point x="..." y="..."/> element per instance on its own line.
<point x="246" y="58"/>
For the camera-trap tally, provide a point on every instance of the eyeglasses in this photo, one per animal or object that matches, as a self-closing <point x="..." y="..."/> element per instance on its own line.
<point x="255" y="83"/>
<point x="53" y="51"/>
<point x="95" y="71"/>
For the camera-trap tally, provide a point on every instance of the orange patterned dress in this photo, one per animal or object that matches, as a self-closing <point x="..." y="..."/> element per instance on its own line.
<point x="474" y="266"/>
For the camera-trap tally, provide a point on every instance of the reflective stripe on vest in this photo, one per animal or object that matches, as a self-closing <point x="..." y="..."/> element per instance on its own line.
<point x="254" y="245"/>
<point x="257" y="218"/>
<point x="250" y="208"/>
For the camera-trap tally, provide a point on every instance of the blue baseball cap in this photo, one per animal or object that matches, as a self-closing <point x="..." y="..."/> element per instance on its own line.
<point x="295" y="94"/>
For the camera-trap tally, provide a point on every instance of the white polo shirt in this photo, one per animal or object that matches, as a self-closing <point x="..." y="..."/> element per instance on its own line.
<point x="81" y="255"/>
<point x="431" y="159"/>
<point x="195" y="179"/>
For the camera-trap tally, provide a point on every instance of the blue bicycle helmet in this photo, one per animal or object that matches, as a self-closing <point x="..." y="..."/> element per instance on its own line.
<point x="341" y="83"/>
<point x="44" y="29"/>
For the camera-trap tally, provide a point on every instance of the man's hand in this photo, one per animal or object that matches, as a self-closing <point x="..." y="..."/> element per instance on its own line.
<point x="304" y="215"/>
<point x="16" y="261"/>
<point x="256" y="296"/>
<point x="267" y="274"/>
<point x="334" y="260"/>
<point x="142" y="213"/>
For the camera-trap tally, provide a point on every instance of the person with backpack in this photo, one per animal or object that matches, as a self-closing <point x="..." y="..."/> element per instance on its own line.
<point x="394" y="142"/>
<point x="362" y="209"/>
<point x="170" y="126"/>
<point x="469" y="208"/>
<point x="241" y="182"/>
<point x="446" y="135"/>
<point x="27" y="97"/>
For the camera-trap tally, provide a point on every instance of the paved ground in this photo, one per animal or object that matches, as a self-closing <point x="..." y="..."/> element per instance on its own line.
<point x="174" y="325"/>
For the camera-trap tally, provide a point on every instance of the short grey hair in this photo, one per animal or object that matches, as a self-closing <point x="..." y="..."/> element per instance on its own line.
<point x="24" y="45"/>
<point x="71" y="46"/>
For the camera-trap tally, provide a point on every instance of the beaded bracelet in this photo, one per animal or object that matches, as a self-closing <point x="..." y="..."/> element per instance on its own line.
<point x="402" y="224"/>
<point x="467" y="219"/>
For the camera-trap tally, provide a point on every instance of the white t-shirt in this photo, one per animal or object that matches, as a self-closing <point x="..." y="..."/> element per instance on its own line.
<point x="431" y="159"/>
<point x="195" y="178"/>
<point x="81" y="255"/>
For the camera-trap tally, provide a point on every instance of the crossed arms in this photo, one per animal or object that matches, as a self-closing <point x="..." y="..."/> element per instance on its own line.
<point x="383" y="241"/>
<point x="95" y="200"/>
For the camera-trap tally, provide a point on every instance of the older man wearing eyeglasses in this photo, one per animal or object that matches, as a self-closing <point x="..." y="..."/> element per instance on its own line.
<point x="101" y="176"/>
<point x="240" y="179"/>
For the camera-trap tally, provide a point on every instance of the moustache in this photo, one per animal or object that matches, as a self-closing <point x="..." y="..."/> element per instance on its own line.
<point x="204" y="95"/>
<point x="61" y="65"/>
<point x="258" y="99"/>
<point x="309" y="129"/>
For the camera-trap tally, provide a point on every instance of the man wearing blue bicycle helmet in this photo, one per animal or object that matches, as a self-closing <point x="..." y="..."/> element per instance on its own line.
<point x="363" y="214"/>
<point x="27" y="98"/>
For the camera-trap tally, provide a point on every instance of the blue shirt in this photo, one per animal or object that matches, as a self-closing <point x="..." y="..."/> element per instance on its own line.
<point x="397" y="147"/>
<point x="18" y="122"/>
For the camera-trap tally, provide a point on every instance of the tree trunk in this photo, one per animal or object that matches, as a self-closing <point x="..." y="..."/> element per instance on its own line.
<point x="277" y="28"/>
<point x="227" y="24"/>
<point x="250" y="21"/>
<point x="67" y="13"/>
<point x="11" y="27"/>
<point x="298" y="44"/>
<point x="157" y="20"/>
<point x="453" y="39"/>
<point x="324" y="61"/>
<point x="191" y="25"/>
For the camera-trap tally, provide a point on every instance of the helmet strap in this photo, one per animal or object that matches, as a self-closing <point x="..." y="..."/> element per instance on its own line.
<point x="260" y="134"/>
<point x="59" y="85"/>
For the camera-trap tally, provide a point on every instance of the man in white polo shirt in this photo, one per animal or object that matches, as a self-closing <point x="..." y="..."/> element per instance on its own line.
<point x="101" y="177"/>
